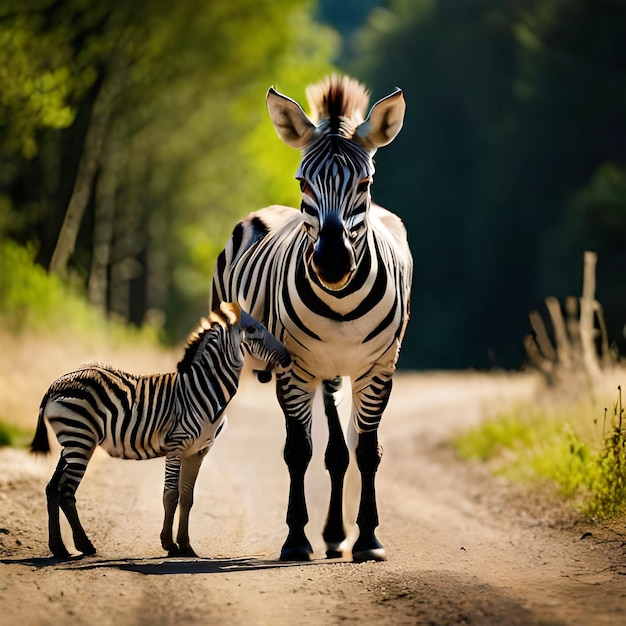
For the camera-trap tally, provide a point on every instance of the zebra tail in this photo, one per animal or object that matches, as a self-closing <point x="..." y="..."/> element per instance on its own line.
<point x="40" y="443"/>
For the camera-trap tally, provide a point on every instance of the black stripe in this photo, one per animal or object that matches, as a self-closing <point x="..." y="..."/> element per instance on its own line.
<point x="385" y="323"/>
<point x="237" y="237"/>
<point x="317" y="306"/>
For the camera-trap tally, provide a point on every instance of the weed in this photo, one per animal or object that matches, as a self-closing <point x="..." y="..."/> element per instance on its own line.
<point x="562" y="447"/>
<point x="607" y="483"/>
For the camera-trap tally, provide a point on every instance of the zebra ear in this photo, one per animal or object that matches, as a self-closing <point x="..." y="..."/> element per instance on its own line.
<point x="231" y="311"/>
<point x="383" y="122"/>
<point x="290" y="121"/>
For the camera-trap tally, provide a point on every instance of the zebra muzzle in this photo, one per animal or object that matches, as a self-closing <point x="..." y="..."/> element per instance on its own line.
<point x="282" y="358"/>
<point x="333" y="261"/>
<point x="278" y="355"/>
<point x="263" y="376"/>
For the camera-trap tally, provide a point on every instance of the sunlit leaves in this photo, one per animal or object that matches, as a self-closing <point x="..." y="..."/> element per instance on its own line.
<point x="179" y="89"/>
<point x="35" y="83"/>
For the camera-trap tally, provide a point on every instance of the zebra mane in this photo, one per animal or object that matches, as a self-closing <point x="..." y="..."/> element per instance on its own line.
<point x="228" y="314"/>
<point x="340" y="100"/>
<point x="197" y="342"/>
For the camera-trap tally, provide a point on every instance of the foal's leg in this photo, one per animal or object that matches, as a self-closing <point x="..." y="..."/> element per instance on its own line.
<point x="188" y="474"/>
<point x="53" y="497"/>
<point x="337" y="459"/>
<point x="61" y="492"/>
<point x="170" y="502"/>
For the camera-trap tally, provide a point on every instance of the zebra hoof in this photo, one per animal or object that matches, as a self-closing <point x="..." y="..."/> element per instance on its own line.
<point x="60" y="552"/>
<point x="296" y="548"/>
<point x="186" y="551"/>
<point x="296" y="554"/>
<point x="173" y="551"/>
<point x="87" y="550"/>
<point x="335" y="549"/>
<point x="368" y="550"/>
<point x="374" y="554"/>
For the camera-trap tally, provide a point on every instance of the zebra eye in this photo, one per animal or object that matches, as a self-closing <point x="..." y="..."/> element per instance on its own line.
<point x="364" y="185"/>
<point x="250" y="330"/>
<point x="305" y="187"/>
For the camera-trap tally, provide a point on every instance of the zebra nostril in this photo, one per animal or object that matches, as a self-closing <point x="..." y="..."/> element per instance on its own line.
<point x="263" y="376"/>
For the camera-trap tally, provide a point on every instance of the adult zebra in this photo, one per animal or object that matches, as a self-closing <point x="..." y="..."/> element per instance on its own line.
<point x="332" y="281"/>
<point x="177" y="415"/>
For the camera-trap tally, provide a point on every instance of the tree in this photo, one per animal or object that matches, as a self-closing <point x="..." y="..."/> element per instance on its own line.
<point x="513" y="109"/>
<point x="154" y="139"/>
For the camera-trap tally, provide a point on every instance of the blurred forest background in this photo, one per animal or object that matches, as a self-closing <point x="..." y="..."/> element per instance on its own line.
<point x="134" y="134"/>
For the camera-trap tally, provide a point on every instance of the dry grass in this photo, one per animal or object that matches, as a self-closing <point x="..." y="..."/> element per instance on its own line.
<point x="29" y="362"/>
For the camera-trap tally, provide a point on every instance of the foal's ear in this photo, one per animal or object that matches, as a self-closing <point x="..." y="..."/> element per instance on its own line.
<point x="290" y="121"/>
<point x="383" y="122"/>
<point x="231" y="311"/>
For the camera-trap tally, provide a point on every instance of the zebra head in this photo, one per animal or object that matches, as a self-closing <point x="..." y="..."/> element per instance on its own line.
<point x="259" y="342"/>
<point x="337" y="144"/>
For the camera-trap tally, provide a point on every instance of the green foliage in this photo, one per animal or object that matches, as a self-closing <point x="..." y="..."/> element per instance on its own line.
<point x="608" y="482"/>
<point x="14" y="436"/>
<point x="583" y="459"/>
<point x="508" y="432"/>
<point x="33" y="300"/>
<point x="505" y="169"/>
<point x="178" y="92"/>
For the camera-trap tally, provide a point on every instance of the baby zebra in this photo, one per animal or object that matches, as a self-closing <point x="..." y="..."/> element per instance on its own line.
<point x="177" y="415"/>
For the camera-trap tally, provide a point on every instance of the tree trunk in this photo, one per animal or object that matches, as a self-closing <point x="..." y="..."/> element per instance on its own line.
<point x="104" y="216"/>
<point x="87" y="169"/>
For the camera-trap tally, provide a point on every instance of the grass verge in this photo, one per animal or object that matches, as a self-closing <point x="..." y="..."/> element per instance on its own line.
<point x="581" y="454"/>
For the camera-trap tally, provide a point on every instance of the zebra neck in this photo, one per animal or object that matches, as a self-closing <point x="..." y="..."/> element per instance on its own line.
<point x="210" y="382"/>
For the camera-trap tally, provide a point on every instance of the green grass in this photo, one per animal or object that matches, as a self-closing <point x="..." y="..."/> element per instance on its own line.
<point x="12" y="435"/>
<point x="581" y="454"/>
<point x="33" y="300"/>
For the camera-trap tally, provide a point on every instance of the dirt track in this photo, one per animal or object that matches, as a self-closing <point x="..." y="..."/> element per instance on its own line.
<point x="463" y="548"/>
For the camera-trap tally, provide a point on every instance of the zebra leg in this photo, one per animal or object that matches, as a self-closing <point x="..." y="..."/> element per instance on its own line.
<point x="368" y="456"/>
<point x="53" y="497"/>
<point x="61" y="493"/>
<point x="189" y="472"/>
<point x="296" y="404"/>
<point x="337" y="459"/>
<point x="369" y="404"/>
<point x="170" y="502"/>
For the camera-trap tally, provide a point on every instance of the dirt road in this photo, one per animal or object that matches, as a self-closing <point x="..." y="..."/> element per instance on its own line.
<point x="463" y="548"/>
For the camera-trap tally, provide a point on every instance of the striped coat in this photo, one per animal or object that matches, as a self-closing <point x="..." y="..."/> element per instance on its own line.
<point x="331" y="281"/>
<point x="177" y="415"/>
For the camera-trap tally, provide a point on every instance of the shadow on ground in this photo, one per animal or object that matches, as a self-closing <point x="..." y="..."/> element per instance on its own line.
<point x="162" y="565"/>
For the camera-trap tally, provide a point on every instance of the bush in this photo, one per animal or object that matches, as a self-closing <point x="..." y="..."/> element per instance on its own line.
<point x="33" y="300"/>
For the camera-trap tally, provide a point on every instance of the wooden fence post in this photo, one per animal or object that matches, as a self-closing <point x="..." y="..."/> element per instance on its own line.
<point x="587" y="309"/>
